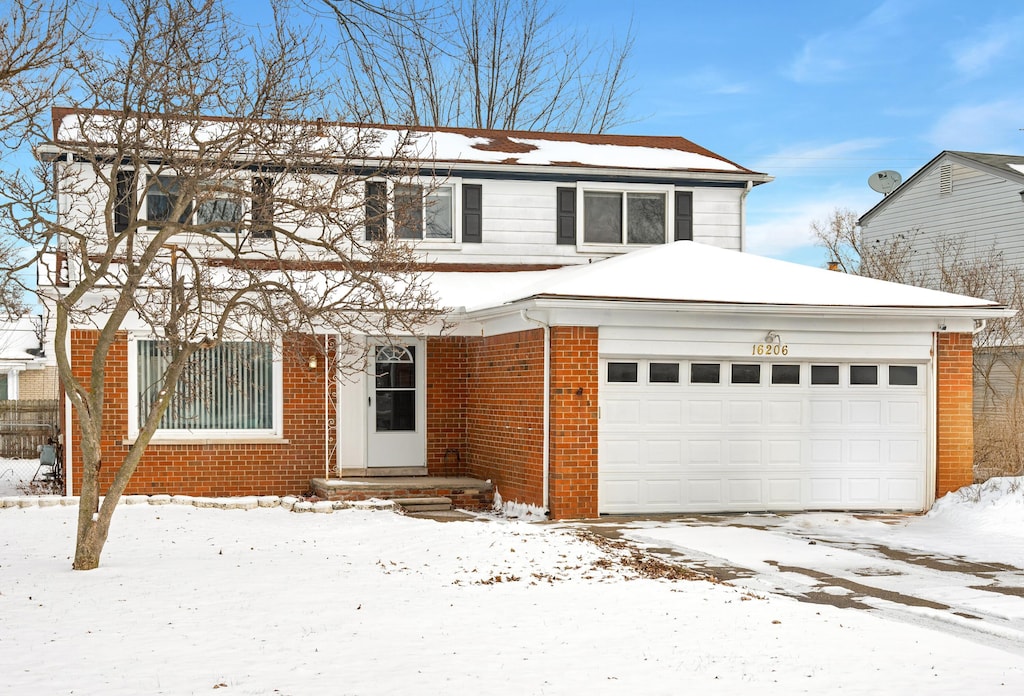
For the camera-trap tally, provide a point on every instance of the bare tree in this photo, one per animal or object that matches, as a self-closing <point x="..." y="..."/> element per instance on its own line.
<point x="34" y="39"/>
<point x="946" y="265"/>
<point x="495" y="64"/>
<point x="213" y="201"/>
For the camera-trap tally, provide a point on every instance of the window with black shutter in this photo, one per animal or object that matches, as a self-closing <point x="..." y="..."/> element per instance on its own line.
<point x="566" y="215"/>
<point x="125" y="199"/>
<point x="472" y="213"/>
<point x="684" y="216"/>
<point x="376" y="210"/>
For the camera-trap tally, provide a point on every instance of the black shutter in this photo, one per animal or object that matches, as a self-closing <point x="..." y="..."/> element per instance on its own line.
<point x="684" y="215"/>
<point x="262" y="207"/>
<point x="566" y="230"/>
<point x="472" y="213"/>
<point x="376" y="210"/>
<point x="124" y="199"/>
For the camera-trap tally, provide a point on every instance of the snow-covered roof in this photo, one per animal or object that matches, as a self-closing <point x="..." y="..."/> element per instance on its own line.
<point x="446" y="145"/>
<point x="692" y="272"/>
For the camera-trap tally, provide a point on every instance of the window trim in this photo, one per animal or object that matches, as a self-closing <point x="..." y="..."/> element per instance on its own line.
<point x="246" y="224"/>
<point x="177" y="435"/>
<point x="427" y="185"/>
<point x="668" y="190"/>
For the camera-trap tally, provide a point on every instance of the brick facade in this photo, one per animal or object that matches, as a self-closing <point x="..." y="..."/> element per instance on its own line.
<point x="39" y="384"/>
<point x="505" y="414"/>
<point x="955" y="436"/>
<point x="213" y="469"/>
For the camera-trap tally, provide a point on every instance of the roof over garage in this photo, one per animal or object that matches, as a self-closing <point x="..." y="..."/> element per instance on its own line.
<point x="689" y="272"/>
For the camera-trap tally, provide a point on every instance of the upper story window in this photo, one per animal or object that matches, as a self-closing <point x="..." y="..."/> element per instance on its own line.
<point x="600" y="214"/>
<point x="626" y="217"/>
<point x="423" y="213"/>
<point x="445" y="213"/>
<point x="219" y="206"/>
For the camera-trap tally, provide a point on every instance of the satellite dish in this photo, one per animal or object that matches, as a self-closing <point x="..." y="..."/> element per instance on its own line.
<point x="885" y="181"/>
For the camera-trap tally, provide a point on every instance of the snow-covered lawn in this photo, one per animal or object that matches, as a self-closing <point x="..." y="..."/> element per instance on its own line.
<point x="266" y="601"/>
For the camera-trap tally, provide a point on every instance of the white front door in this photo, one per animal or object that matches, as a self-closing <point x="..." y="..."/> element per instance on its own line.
<point x="396" y="418"/>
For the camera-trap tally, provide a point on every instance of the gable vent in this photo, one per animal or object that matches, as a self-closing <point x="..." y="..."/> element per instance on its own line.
<point x="946" y="179"/>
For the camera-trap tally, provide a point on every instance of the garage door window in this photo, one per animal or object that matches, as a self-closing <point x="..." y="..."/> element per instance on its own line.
<point x="746" y="374"/>
<point x="824" y="374"/>
<point x="785" y="374"/>
<point x="903" y="375"/>
<point x="705" y="373"/>
<point x="863" y="374"/>
<point x="622" y="372"/>
<point x="664" y="373"/>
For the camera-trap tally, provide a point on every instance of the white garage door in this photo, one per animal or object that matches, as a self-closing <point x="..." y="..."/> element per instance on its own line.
<point x="691" y="436"/>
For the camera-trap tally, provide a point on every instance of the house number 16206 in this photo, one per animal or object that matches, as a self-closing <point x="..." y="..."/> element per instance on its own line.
<point x="769" y="349"/>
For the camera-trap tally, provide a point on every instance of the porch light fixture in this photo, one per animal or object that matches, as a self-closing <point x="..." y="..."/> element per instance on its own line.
<point x="312" y="362"/>
<point x="1022" y="195"/>
<point x="773" y="337"/>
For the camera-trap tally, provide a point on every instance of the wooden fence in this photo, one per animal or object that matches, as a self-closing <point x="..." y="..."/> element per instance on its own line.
<point x="25" y="424"/>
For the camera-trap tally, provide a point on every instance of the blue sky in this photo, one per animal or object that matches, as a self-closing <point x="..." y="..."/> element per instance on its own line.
<point x="822" y="94"/>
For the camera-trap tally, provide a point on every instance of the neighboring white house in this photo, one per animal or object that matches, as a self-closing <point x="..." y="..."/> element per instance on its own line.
<point x="973" y="199"/>
<point x="967" y="207"/>
<point x="27" y="368"/>
<point x="609" y="348"/>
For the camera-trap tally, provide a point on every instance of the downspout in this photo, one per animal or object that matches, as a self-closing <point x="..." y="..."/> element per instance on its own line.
<point x="933" y="406"/>
<point x="546" y="457"/>
<point x="743" y="214"/>
<point x="327" y="411"/>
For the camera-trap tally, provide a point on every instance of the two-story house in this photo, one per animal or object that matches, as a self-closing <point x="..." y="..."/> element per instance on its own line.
<point x="608" y="348"/>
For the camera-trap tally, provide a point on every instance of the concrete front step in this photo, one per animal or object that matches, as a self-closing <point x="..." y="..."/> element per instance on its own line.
<point x="462" y="492"/>
<point x="424" y="504"/>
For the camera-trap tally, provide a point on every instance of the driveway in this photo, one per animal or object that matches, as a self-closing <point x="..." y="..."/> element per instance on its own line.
<point x="900" y="567"/>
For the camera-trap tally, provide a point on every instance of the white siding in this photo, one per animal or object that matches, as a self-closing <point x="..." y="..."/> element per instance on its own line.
<point x="983" y="210"/>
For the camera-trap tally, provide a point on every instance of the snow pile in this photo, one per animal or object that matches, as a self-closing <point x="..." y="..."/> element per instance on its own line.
<point x="996" y="503"/>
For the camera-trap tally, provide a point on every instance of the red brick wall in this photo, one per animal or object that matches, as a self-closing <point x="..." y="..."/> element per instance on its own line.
<point x="955" y="441"/>
<point x="574" y="385"/>
<point x="214" y="469"/>
<point x="447" y="383"/>
<point x="505" y="414"/>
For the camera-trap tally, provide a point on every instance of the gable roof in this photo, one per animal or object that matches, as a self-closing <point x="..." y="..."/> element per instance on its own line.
<point x="689" y="272"/>
<point x="1010" y="167"/>
<point x="500" y="148"/>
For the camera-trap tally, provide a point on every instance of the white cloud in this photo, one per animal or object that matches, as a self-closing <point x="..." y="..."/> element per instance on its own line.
<point x="804" y="159"/>
<point x="785" y="232"/>
<point x="975" y="55"/>
<point x="991" y="127"/>
<point x="832" y="55"/>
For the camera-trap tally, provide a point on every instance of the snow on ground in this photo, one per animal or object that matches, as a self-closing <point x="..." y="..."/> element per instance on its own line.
<point x="16" y="475"/>
<point x="266" y="601"/>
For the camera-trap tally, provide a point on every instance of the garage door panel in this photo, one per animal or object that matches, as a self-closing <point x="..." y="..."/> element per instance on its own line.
<point x="745" y="491"/>
<point x="665" y="412"/>
<point x="825" y="491"/>
<point x="664" y="492"/>
<point x="909" y="414"/>
<point x="784" y="492"/>
<point x="704" y="412"/>
<point x="705" y="491"/>
<point x="782" y="452"/>
<point x="865" y="491"/>
<point x="705" y="452"/>
<point x="665" y="453"/>
<point x="744" y="412"/>
<point x="865" y="451"/>
<point x="620" y="455"/>
<point x="903" y="491"/>
<point x="905" y="452"/>
<point x="865" y="413"/>
<point x="782" y="413"/>
<point x="744" y="453"/>
<point x="620" y="494"/>
<point x="826" y="451"/>
<point x="618" y="411"/>
<point x="826" y="412"/>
